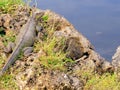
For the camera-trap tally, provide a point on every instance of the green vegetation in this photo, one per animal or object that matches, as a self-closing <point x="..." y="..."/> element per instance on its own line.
<point x="7" y="82"/>
<point x="94" y="81"/>
<point x="45" y="17"/>
<point x="2" y="59"/>
<point x="10" y="36"/>
<point x="7" y="6"/>
<point x="53" y="58"/>
<point x="106" y="81"/>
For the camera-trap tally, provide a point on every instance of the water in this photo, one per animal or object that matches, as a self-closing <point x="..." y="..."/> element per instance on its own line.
<point x="98" y="20"/>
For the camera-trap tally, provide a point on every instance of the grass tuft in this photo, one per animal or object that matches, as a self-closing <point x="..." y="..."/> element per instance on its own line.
<point x="105" y="82"/>
<point x="9" y="37"/>
<point x="7" y="6"/>
<point x="53" y="58"/>
<point x="7" y="83"/>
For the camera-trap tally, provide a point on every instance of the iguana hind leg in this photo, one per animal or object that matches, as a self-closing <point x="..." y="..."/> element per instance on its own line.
<point x="27" y="51"/>
<point x="9" y="47"/>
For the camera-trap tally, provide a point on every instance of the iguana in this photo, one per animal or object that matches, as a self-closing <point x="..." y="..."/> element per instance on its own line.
<point x="24" y="39"/>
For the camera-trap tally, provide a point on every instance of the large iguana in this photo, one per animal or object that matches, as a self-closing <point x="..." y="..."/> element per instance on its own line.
<point x="24" y="39"/>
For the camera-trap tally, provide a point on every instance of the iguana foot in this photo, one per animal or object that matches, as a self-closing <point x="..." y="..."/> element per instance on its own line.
<point x="39" y="28"/>
<point x="9" y="47"/>
<point x="27" y="51"/>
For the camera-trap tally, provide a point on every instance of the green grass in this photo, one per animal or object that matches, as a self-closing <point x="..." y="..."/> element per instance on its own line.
<point x="7" y="82"/>
<point x="5" y="39"/>
<point x="105" y="82"/>
<point x="10" y="36"/>
<point x="94" y="81"/>
<point x="45" y="17"/>
<point x="7" y="6"/>
<point x="53" y="59"/>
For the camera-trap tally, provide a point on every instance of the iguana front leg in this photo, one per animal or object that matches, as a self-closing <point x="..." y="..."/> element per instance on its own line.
<point x="39" y="31"/>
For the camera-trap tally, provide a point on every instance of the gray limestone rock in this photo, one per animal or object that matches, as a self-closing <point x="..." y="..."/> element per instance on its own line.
<point x="116" y="58"/>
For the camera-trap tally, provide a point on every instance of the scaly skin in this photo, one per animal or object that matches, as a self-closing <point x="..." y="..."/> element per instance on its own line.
<point x="24" y="39"/>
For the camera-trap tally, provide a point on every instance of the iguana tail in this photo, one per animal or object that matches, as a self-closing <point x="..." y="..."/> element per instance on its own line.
<point x="12" y="58"/>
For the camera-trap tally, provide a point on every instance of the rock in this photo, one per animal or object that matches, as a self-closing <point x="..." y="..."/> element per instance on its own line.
<point x="7" y="18"/>
<point x="78" y="46"/>
<point x="116" y="62"/>
<point x="73" y="47"/>
<point x="1" y="21"/>
<point x="116" y="59"/>
<point x="39" y="79"/>
<point x="102" y="65"/>
<point x="16" y="20"/>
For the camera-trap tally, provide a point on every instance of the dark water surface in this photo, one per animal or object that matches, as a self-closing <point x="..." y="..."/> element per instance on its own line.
<point x="98" y="20"/>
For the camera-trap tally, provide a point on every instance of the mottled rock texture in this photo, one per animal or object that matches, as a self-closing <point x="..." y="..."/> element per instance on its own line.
<point x="116" y="58"/>
<point x="116" y="62"/>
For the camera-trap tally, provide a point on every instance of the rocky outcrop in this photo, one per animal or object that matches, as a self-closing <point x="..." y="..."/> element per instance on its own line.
<point x="33" y="75"/>
<point x="116" y="60"/>
<point x="79" y="48"/>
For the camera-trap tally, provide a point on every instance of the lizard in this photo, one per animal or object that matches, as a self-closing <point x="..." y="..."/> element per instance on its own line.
<point x="24" y="39"/>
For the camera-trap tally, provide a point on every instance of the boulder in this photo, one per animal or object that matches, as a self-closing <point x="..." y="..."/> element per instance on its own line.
<point x="78" y="47"/>
<point x="116" y="59"/>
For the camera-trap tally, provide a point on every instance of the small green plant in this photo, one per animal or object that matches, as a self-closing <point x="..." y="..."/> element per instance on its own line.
<point x="45" y="17"/>
<point x="105" y="82"/>
<point x="7" y="82"/>
<point x="9" y="37"/>
<point x="9" y="5"/>
<point x="55" y="57"/>
<point x="52" y="59"/>
<point x="2" y="59"/>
